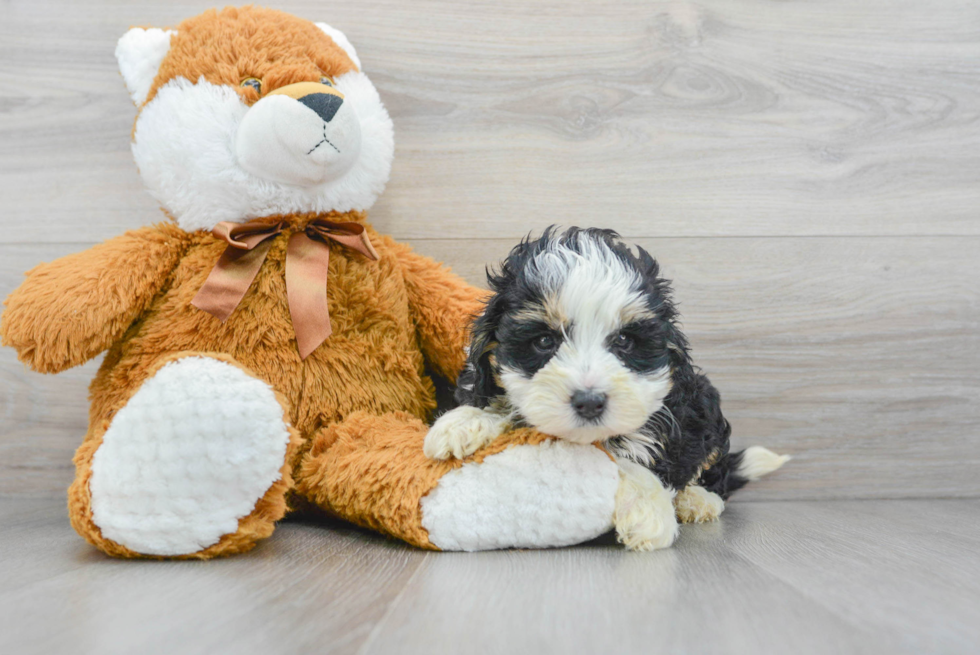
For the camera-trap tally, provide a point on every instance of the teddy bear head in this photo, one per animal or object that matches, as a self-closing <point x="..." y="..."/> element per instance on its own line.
<point x="249" y="112"/>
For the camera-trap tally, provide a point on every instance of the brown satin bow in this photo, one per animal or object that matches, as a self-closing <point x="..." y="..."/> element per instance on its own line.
<point x="307" y="261"/>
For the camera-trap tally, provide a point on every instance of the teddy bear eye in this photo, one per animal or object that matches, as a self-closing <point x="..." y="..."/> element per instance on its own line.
<point x="326" y="80"/>
<point x="253" y="82"/>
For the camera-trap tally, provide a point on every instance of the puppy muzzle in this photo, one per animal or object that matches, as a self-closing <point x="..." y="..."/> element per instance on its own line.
<point x="302" y="134"/>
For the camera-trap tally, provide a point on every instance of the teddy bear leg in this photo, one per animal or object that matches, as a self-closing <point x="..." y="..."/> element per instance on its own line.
<point x="194" y="465"/>
<point x="522" y="491"/>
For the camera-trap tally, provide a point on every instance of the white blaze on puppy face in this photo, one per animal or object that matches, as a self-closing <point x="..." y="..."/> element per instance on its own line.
<point x="592" y="295"/>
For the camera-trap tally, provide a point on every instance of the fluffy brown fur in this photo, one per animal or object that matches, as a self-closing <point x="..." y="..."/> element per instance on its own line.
<point x="74" y="308"/>
<point x="229" y="45"/>
<point x="133" y="296"/>
<point x="257" y="525"/>
<point x="355" y="406"/>
<point x="371" y="470"/>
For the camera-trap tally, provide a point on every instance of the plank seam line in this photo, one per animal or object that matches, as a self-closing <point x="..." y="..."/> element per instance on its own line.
<point x="862" y="499"/>
<point x="475" y="239"/>
<point x="391" y="608"/>
<point x="721" y="236"/>
<point x="807" y="595"/>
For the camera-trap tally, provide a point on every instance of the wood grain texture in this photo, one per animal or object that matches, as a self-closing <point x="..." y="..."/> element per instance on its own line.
<point x="899" y="550"/>
<point x="808" y="173"/>
<point x="810" y="577"/>
<point x="43" y="418"/>
<point x="313" y="589"/>
<point x="858" y="356"/>
<point x="802" y="577"/>
<point x="743" y="117"/>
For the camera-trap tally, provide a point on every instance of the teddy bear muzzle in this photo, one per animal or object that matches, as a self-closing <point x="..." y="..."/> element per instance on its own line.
<point x="303" y="134"/>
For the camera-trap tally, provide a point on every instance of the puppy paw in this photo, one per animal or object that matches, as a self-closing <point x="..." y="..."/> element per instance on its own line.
<point x="644" y="515"/>
<point x="461" y="432"/>
<point x="696" y="504"/>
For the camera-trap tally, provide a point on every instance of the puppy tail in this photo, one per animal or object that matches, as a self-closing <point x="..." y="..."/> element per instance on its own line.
<point x="756" y="461"/>
<point x="735" y="470"/>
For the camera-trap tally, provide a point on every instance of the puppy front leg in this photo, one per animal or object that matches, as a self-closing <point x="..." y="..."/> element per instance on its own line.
<point x="644" y="515"/>
<point x="462" y="431"/>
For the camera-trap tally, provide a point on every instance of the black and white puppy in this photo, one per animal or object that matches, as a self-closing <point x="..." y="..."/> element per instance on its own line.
<point x="580" y="340"/>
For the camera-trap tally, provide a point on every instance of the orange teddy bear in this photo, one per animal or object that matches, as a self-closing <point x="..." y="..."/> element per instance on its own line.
<point x="266" y="345"/>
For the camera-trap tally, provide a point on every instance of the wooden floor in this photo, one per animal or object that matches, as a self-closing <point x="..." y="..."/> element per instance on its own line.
<point x="796" y="577"/>
<point x="807" y="172"/>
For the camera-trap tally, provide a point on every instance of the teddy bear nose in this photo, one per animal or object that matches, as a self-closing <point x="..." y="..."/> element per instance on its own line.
<point x="324" y="104"/>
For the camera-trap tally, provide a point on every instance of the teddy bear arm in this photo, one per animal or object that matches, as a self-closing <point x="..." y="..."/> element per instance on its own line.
<point x="69" y="310"/>
<point x="443" y="306"/>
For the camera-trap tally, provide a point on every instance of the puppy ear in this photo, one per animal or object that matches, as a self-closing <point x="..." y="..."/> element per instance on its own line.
<point x="342" y="42"/>
<point x="477" y="384"/>
<point x="140" y="53"/>
<point x="649" y="267"/>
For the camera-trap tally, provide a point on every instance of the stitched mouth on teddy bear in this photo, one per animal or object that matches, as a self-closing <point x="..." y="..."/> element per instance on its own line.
<point x="322" y="141"/>
<point x="302" y="134"/>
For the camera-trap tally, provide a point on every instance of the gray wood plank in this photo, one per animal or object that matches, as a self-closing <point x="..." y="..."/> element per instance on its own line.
<point x="959" y="521"/>
<point x="838" y="577"/>
<point x="656" y="118"/>
<point x="873" y="566"/>
<point x="312" y="588"/>
<point x="43" y="418"/>
<point x="857" y="356"/>
<point x="770" y="577"/>
<point x="699" y="597"/>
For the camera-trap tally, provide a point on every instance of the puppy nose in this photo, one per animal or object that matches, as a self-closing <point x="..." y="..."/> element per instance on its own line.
<point x="589" y="404"/>
<point x="324" y="104"/>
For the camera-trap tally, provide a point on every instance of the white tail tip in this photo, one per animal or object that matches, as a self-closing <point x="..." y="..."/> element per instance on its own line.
<point x="758" y="461"/>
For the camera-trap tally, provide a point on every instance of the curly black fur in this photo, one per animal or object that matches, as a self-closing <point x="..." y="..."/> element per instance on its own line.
<point x="687" y="439"/>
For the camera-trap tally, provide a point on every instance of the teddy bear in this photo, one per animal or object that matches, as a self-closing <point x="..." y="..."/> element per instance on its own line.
<point x="267" y="348"/>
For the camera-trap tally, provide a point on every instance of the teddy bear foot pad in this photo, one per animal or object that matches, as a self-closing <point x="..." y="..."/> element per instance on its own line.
<point x="530" y="496"/>
<point x="190" y="454"/>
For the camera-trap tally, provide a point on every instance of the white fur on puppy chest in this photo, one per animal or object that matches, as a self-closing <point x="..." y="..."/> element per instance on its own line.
<point x="187" y="457"/>
<point x="552" y="494"/>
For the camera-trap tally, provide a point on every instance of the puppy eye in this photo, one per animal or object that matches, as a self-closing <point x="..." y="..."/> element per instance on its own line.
<point x="326" y="80"/>
<point x="253" y="82"/>
<point x="623" y="342"/>
<point x="545" y="343"/>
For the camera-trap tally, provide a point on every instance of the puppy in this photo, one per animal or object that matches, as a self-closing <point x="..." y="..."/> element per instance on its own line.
<point x="580" y="340"/>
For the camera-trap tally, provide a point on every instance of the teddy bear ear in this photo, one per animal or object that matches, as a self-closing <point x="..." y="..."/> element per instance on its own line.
<point x="342" y="42"/>
<point x="140" y="53"/>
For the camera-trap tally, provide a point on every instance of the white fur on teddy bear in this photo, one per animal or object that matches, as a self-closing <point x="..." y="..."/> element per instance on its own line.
<point x="187" y="457"/>
<point x="552" y="494"/>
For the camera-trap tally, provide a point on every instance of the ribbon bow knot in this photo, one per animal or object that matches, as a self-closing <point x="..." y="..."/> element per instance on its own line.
<point x="307" y="264"/>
